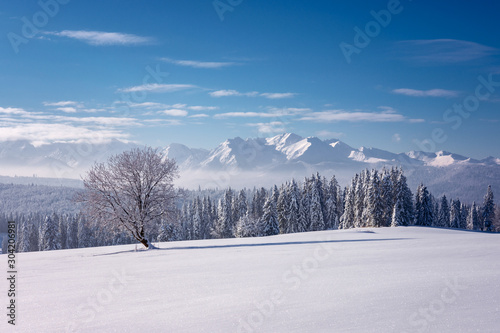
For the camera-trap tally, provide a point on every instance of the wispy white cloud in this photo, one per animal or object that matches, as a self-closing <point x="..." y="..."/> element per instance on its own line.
<point x="163" y="122"/>
<point x="158" y="88"/>
<point x="246" y="115"/>
<point x="268" y="128"/>
<point x="43" y="133"/>
<point x="356" y="116"/>
<point x="426" y="93"/>
<point x="62" y="103"/>
<point x="199" y="115"/>
<point x="14" y="111"/>
<point x="199" y="64"/>
<point x="287" y="111"/>
<point x="174" y="112"/>
<point x="396" y="137"/>
<point x="272" y="112"/>
<point x="443" y="51"/>
<point x="227" y="93"/>
<point x="203" y="108"/>
<point x="101" y="38"/>
<point x="67" y="109"/>
<point x="278" y="95"/>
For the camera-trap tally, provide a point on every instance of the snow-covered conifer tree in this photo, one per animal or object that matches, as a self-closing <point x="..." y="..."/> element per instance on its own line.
<point x="282" y="208"/>
<point x="72" y="233"/>
<point x="48" y="235"/>
<point x="488" y="211"/>
<point x="455" y="213"/>
<point x="443" y="219"/>
<point x="316" y="213"/>
<point x="473" y="218"/>
<point x="269" y="221"/>
<point x="424" y="208"/>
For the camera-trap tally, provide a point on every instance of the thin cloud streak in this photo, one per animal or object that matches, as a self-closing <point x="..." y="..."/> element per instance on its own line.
<point x="426" y="93"/>
<point x="443" y="51"/>
<point x="199" y="64"/>
<point x="101" y="38"/>
<point x="231" y="92"/>
<point x="342" y="115"/>
<point x="158" y="88"/>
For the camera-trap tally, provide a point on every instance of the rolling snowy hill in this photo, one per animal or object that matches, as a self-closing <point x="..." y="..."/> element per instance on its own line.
<point x="264" y="162"/>
<point x="381" y="280"/>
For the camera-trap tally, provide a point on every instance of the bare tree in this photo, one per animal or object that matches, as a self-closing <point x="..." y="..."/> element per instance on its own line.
<point x="132" y="190"/>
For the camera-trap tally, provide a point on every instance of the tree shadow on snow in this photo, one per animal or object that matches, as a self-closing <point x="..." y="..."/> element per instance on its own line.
<point x="281" y="243"/>
<point x="253" y="245"/>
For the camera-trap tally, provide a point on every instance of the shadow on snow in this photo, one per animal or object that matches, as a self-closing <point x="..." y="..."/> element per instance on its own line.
<point x="255" y="245"/>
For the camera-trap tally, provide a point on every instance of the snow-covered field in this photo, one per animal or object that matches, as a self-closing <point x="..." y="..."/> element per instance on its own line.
<point x="380" y="280"/>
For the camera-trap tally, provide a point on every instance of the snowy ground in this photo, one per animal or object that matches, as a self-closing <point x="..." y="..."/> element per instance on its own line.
<point x="387" y="280"/>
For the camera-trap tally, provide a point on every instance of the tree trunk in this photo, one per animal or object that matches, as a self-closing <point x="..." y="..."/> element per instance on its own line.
<point x="145" y="242"/>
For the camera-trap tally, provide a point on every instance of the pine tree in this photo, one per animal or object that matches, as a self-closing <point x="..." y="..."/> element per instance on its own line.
<point x="403" y="193"/>
<point x="359" y="199"/>
<point x="23" y="237"/>
<point x="84" y="233"/>
<point x="387" y="197"/>
<point x="294" y="218"/>
<point x="33" y="237"/>
<point x="443" y="220"/>
<point x="206" y="218"/>
<point x="283" y="210"/>
<point x="488" y="214"/>
<point x="169" y="232"/>
<point x="332" y="211"/>
<point x="72" y="233"/>
<point x="455" y="214"/>
<point x="473" y="218"/>
<point x="196" y="217"/>
<point x="424" y="208"/>
<point x="464" y="212"/>
<point x="247" y="227"/>
<point x="48" y="235"/>
<point x="269" y="221"/>
<point x="224" y="224"/>
<point x="316" y="213"/>
<point x="347" y="218"/>
<point x="398" y="216"/>
<point x="374" y="212"/>
<point x="63" y="232"/>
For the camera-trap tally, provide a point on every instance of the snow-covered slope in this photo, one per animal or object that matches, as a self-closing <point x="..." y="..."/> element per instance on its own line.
<point x="384" y="280"/>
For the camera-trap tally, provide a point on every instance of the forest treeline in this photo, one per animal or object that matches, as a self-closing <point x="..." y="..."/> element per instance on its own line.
<point x="372" y="199"/>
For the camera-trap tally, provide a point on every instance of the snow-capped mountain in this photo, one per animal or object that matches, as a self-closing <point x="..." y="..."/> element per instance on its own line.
<point x="265" y="161"/>
<point x="252" y="162"/>
<point x="289" y="148"/>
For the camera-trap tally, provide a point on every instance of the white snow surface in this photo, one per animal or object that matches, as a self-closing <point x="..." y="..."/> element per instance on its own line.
<point x="405" y="279"/>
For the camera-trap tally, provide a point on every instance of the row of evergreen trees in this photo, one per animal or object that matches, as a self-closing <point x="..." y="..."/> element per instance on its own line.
<point x="373" y="199"/>
<point x="40" y="232"/>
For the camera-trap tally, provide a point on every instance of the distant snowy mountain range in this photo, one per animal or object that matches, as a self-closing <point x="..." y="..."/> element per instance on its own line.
<point x="263" y="162"/>
<point x="290" y="149"/>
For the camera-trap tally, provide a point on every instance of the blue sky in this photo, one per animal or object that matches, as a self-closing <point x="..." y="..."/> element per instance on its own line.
<point x="397" y="75"/>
